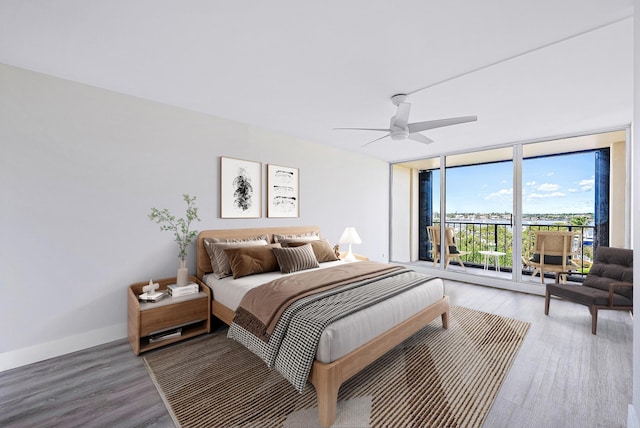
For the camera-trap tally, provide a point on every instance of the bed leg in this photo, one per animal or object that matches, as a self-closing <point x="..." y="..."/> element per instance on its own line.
<point x="327" y="387"/>
<point x="445" y="319"/>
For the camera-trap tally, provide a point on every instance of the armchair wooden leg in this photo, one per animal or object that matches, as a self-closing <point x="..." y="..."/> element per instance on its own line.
<point x="594" y="319"/>
<point x="536" y="271"/>
<point x="461" y="262"/>
<point x="547" y="298"/>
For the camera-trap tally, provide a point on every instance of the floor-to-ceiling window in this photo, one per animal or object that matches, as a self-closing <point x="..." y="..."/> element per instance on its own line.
<point x="490" y="198"/>
<point x="479" y="206"/>
<point x="567" y="192"/>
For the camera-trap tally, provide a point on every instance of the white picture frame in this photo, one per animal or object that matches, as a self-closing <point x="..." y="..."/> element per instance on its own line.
<point x="283" y="191"/>
<point x="240" y="188"/>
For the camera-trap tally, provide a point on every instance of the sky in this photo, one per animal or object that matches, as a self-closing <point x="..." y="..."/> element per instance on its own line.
<point x="550" y="185"/>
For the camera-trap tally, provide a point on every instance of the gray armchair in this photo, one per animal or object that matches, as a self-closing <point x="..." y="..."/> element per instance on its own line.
<point x="609" y="284"/>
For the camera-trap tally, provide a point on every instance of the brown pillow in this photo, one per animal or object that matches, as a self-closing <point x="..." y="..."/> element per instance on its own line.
<point x="223" y="269"/>
<point x="294" y="259"/>
<point x="209" y="246"/>
<point x="245" y="261"/>
<point x="321" y="248"/>
<point x="290" y="242"/>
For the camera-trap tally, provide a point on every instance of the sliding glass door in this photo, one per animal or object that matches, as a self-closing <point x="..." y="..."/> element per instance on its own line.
<point x="566" y="192"/>
<point x="487" y="202"/>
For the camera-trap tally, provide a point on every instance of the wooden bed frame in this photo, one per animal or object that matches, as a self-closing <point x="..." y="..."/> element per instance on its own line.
<point x="326" y="377"/>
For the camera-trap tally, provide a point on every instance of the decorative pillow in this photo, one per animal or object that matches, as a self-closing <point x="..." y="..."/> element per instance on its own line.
<point x="208" y="245"/>
<point x="252" y="238"/>
<point x="245" y="261"/>
<point x="294" y="259"/>
<point x="321" y="248"/>
<point x="289" y="241"/>
<point x="301" y="237"/>
<point x="222" y="261"/>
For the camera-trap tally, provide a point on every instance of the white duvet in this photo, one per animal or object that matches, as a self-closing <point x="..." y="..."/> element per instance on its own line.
<point x="347" y="334"/>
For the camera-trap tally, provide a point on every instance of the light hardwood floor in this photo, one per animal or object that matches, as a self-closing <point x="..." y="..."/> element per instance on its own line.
<point x="563" y="376"/>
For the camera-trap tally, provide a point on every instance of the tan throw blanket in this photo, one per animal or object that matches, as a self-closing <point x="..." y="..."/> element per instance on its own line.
<point x="261" y="307"/>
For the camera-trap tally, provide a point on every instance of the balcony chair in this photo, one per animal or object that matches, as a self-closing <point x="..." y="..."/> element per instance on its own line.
<point x="452" y="251"/>
<point x="553" y="251"/>
<point x="609" y="284"/>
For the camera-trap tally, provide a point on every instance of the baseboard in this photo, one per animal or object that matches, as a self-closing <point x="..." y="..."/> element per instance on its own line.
<point x="43" y="351"/>
<point x="632" y="418"/>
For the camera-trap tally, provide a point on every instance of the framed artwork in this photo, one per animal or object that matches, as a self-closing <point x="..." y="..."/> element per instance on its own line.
<point x="283" y="191"/>
<point x="240" y="188"/>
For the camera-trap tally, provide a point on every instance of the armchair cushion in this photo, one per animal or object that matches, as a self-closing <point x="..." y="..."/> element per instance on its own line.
<point x="549" y="260"/>
<point x="589" y="296"/>
<point x="611" y="265"/>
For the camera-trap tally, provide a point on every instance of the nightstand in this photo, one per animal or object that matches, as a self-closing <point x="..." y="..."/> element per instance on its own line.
<point x="343" y="254"/>
<point x="151" y="325"/>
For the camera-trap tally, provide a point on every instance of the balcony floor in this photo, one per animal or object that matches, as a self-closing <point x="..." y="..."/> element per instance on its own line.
<point x="490" y="272"/>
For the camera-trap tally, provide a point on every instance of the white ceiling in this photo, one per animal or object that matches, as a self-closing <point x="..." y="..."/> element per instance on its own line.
<point x="528" y="69"/>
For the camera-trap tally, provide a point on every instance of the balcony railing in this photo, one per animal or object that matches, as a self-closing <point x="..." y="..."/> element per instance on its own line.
<point x="474" y="237"/>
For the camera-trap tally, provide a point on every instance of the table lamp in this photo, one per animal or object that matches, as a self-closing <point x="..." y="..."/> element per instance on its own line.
<point x="350" y="236"/>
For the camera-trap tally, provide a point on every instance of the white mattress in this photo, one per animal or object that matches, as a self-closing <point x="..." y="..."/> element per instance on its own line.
<point x="346" y="334"/>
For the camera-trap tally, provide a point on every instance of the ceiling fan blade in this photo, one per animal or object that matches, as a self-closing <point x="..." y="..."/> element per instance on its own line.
<point x="420" y="138"/>
<point x="366" y="129"/>
<point x="384" y="136"/>
<point x="401" y="119"/>
<point x="431" y="124"/>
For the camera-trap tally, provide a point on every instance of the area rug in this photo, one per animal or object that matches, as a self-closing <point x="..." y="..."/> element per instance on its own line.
<point x="437" y="378"/>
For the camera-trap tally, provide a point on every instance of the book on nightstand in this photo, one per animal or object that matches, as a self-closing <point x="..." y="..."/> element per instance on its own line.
<point x="170" y="334"/>
<point x="183" y="290"/>
<point x="151" y="297"/>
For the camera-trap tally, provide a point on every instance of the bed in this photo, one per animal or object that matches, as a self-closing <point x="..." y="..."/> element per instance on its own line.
<point x="348" y="345"/>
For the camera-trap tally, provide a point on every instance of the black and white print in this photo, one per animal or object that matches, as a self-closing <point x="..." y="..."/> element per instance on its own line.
<point x="240" y="188"/>
<point x="283" y="192"/>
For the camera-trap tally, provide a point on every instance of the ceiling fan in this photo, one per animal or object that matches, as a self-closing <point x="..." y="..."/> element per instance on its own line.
<point x="401" y="129"/>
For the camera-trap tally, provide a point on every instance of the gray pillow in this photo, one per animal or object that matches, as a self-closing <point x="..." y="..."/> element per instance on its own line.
<point x="294" y="259"/>
<point x="300" y="237"/>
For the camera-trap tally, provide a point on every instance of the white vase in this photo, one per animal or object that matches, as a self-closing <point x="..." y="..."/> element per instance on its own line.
<point x="183" y="273"/>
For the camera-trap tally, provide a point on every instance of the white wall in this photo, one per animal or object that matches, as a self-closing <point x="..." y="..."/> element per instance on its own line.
<point x="80" y="168"/>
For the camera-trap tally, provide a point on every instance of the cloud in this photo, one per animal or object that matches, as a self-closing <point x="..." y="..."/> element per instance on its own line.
<point x="530" y="183"/>
<point x="548" y="187"/>
<point x="549" y="174"/>
<point x="587" y="184"/>
<point x="499" y="194"/>
<point x="572" y="190"/>
<point x="545" y="195"/>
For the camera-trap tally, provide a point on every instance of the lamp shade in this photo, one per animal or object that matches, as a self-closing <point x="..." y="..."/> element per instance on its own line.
<point x="350" y="236"/>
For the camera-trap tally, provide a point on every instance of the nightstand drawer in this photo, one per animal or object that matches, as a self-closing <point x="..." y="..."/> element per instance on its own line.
<point x="178" y="314"/>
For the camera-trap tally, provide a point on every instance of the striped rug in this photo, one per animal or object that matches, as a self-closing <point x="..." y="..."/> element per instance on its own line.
<point x="437" y="378"/>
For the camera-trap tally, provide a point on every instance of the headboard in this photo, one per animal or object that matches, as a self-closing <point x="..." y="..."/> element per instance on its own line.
<point x="203" y="262"/>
